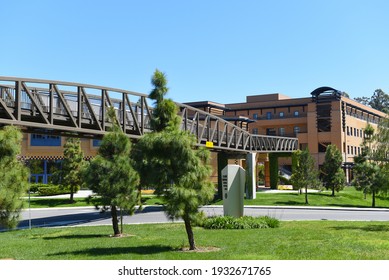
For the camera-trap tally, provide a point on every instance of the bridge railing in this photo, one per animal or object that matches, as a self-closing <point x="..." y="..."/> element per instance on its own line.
<point x="69" y="108"/>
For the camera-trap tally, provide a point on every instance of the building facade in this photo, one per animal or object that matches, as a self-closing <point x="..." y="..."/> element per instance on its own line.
<point x="43" y="154"/>
<point x="326" y="117"/>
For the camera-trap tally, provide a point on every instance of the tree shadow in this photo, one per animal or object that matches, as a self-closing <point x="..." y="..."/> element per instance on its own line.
<point x="139" y="250"/>
<point x="355" y="206"/>
<point x="290" y="202"/>
<point x="65" y="220"/>
<point x="77" y="236"/>
<point x="369" y="228"/>
<point x="150" y="209"/>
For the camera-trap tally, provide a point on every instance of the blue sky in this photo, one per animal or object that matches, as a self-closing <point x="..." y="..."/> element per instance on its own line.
<point x="210" y="50"/>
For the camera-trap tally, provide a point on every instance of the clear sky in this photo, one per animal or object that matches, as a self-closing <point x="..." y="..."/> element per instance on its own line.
<point x="209" y="49"/>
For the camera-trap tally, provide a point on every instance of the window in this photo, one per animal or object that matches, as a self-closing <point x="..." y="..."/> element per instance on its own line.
<point x="281" y="131"/>
<point x="270" y="131"/>
<point x="348" y="131"/>
<point x="296" y="130"/>
<point x="45" y="140"/>
<point x="255" y="116"/>
<point x="348" y="149"/>
<point x="255" y="130"/>
<point x="96" y="142"/>
<point x="282" y="114"/>
<point x="296" y="113"/>
<point x="268" y="115"/>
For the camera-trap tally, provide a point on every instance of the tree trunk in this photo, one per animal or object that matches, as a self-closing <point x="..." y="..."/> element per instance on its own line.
<point x="71" y="194"/>
<point x="189" y="232"/>
<point x="115" y="222"/>
<point x="333" y="192"/>
<point x="373" y="199"/>
<point x="306" y="195"/>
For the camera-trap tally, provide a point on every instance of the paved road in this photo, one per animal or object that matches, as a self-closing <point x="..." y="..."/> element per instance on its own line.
<point x="154" y="214"/>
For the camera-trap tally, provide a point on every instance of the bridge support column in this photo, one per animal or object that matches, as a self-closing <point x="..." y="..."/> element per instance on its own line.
<point x="273" y="168"/>
<point x="251" y="178"/>
<point x="222" y="161"/>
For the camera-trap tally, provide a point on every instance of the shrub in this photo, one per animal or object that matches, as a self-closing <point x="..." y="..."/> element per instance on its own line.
<point x="245" y="222"/>
<point x="34" y="187"/>
<point x="50" y="189"/>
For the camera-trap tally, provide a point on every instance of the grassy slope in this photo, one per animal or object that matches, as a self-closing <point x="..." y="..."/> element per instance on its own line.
<point x="349" y="197"/>
<point x="64" y="202"/>
<point x="308" y="240"/>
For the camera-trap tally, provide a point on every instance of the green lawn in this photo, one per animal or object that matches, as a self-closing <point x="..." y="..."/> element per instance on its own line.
<point x="303" y="240"/>
<point x="349" y="197"/>
<point x="79" y="202"/>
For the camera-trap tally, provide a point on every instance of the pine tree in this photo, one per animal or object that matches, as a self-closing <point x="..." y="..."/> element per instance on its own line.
<point x="13" y="177"/>
<point x="333" y="175"/>
<point x="73" y="162"/>
<point x="111" y="174"/>
<point x="168" y="160"/>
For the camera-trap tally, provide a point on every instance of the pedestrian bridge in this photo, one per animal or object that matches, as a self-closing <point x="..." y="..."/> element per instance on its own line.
<point x="72" y="109"/>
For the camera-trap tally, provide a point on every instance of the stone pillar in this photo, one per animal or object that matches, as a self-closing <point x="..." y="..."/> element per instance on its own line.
<point x="251" y="177"/>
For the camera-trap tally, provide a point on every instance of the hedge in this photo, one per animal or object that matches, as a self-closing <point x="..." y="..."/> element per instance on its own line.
<point x="245" y="222"/>
<point x="50" y="189"/>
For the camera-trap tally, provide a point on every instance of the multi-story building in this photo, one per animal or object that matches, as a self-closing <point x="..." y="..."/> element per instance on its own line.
<point x="326" y="117"/>
<point x="44" y="152"/>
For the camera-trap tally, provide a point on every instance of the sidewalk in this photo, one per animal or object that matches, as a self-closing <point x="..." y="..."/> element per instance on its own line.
<point x="79" y="194"/>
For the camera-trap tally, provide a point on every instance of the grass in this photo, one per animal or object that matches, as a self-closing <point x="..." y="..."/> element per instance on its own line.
<point x="79" y="202"/>
<point x="305" y="240"/>
<point x="349" y="197"/>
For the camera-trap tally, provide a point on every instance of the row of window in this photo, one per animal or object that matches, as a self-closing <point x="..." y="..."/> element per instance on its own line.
<point x="362" y="116"/>
<point x="273" y="131"/>
<point x="352" y="131"/>
<point x="40" y="140"/>
<point x="353" y="150"/>
<point x="270" y="115"/>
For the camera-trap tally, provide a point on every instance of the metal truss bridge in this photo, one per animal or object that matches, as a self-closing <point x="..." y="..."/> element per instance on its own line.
<point x="72" y="109"/>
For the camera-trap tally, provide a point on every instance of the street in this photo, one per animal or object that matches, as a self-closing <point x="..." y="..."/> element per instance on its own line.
<point x="88" y="216"/>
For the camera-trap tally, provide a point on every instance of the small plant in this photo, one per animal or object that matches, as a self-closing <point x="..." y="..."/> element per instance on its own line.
<point x="245" y="222"/>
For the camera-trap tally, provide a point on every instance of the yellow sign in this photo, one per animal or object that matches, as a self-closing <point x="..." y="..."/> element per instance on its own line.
<point x="209" y="144"/>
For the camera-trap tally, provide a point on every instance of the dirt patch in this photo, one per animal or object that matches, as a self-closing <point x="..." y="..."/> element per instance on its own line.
<point x="200" y="249"/>
<point x="122" y="235"/>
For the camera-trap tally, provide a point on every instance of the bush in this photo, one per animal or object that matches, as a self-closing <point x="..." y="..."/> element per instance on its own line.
<point x="50" y="189"/>
<point x="34" y="187"/>
<point x="245" y="222"/>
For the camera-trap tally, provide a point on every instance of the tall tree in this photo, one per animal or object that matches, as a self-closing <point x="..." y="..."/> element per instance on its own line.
<point x="371" y="174"/>
<point x="382" y="142"/>
<point x="370" y="177"/>
<point x="333" y="175"/>
<point x="111" y="174"/>
<point x="13" y="177"/>
<point x="305" y="175"/>
<point x="169" y="160"/>
<point x="379" y="100"/>
<point x="72" y="165"/>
